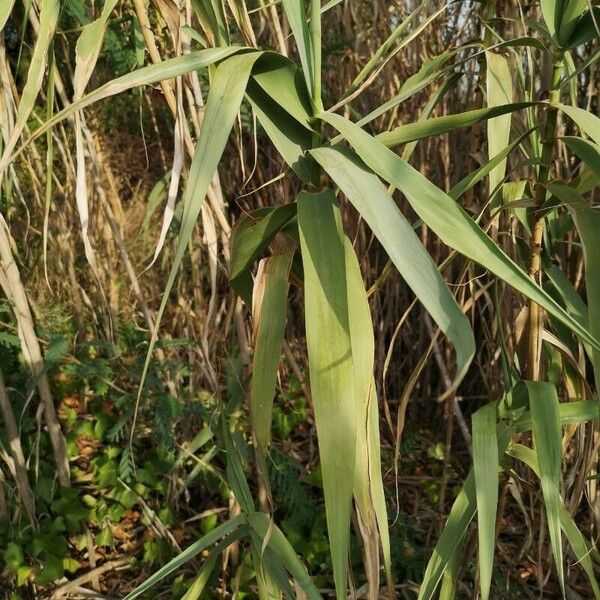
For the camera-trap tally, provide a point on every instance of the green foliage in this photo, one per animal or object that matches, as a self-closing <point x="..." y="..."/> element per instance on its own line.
<point x="96" y="418"/>
<point x="540" y="200"/>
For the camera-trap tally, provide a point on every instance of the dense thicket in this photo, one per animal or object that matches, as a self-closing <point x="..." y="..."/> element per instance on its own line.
<point x="299" y="299"/>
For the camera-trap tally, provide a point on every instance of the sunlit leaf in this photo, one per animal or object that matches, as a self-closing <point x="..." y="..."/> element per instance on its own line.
<point x="485" y="469"/>
<point x="269" y="311"/>
<point x="331" y="364"/>
<point x="448" y="220"/>
<point x="545" y="416"/>
<point x="369" y="196"/>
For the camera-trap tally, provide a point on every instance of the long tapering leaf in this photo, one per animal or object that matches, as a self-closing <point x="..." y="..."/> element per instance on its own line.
<point x="35" y="76"/>
<point x="438" y="125"/>
<point x="584" y="31"/>
<point x="330" y="363"/>
<point x="5" y="10"/>
<point x="167" y="69"/>
<point x="545" y="416"/>
<point x="87" y="51"/>
<point x="235" y="471"/>
<point x="269" y="315"/>
<point x="571" y="15"/>
<point x="199" y="584"/>
<point x="587" y="151"/>
<point x="205" y="542"/>
<point x="88" y="48"/>
<point x="485" y="468"/>
<point x="462" y="513"/>
<point x="275" y="539"/>
<point x="370" y="198"/>
<point x="585" y="120"/>
<point x="578" y="411"/>
<point x="587" y="221"/>
<point x="271" y="578"/>
<point x="224" y="99"/>
<point x="552" y="11"/>
<point x="295" y="11"/>
<point x="448" y="220"/>
<point x="473" y="178"/>
<point x="368" y="483"/>
<point x="429" y="72"/>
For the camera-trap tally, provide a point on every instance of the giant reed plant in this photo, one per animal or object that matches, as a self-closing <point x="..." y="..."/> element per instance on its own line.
<point x="336" y="157"/>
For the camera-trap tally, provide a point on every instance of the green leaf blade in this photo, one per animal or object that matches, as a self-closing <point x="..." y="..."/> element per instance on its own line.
<point x="269" y="325"/>
<point x="448" y="220"/>
<point x="485" y="468"/>
<point x="545" y="415"/>
<point x="330" y="364"/>
<point x="368" y="195"/>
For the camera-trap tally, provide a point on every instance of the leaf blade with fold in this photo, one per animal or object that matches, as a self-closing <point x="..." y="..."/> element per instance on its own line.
<point x="448" y="220"/>
<point x="269" y="325"/>
<point x="224" y="100"/>
<point x="289" y="137"/>
<point x="250" y="238"/>
<point x="366" y="192"/>
<point x="330" y="364"/>
<point x="485" y="469"/>
<point x="545" y="415"/>
<point x="368" y="481"/>
<point x="275" y="540"/>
